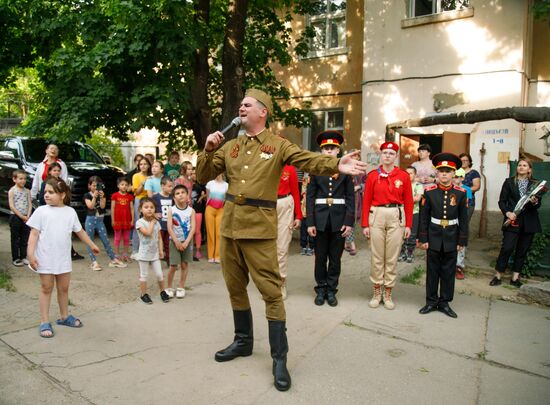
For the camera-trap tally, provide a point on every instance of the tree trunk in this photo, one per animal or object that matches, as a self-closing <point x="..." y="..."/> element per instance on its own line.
<point x="232" y="62"/>
<point x="200" y="115"/>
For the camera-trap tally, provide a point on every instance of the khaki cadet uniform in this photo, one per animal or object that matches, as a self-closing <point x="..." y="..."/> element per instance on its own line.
<point x="253" y="167"/>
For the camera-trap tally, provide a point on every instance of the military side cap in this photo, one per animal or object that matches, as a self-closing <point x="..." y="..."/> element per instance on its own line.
<point x="449" y="160"/>
<point x="389" y="145"/>
<point x="327" y="138"/>
<point x="262" y="97"/>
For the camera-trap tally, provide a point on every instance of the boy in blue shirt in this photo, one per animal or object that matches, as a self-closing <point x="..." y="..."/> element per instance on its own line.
<point x="163" y="203"/>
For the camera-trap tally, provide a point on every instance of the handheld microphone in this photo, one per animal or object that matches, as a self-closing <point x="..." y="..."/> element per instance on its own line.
<point x="235" y="123"/>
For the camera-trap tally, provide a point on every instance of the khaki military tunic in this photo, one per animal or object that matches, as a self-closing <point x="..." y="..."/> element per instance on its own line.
<point x="253" y="167"/>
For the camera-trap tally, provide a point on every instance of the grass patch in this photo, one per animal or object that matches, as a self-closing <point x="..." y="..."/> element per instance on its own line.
<point x="482" y="355"/>
<point x="5" y="281"/>
<point x="414" y="276"/>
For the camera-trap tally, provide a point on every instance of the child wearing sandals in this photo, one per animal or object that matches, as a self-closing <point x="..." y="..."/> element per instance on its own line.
<point x="96" y="201"/>
<point x="181" y="227"/>
<point x="150" y="249"/>
<point x="49" y="251"/>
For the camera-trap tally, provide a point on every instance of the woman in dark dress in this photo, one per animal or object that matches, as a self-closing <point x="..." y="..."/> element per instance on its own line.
<point x="519" y="234"/>
<point x="472" y="179"/>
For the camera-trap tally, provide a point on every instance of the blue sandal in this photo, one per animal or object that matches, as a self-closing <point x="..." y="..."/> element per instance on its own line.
<point x="45" y="327"/>
<point x="70" y="321"/>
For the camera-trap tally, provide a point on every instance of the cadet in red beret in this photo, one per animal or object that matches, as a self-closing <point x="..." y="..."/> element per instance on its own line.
<point x="386" y="220"/>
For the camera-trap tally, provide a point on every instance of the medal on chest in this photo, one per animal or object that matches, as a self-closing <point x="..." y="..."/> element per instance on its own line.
<point x="267" y="151"/>
<point x="234" y="151"/>
<point x="453" y="200"/>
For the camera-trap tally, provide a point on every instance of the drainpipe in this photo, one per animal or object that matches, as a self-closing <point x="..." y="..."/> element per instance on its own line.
<point x="526" y="66"/>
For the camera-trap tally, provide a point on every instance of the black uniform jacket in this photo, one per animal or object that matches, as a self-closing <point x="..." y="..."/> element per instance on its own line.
<point x="340" y="187"/>
<point x="528" y="220"/>
<point x="449" y="204"/>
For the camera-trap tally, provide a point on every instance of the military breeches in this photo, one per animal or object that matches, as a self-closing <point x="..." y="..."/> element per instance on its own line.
<point x="387" y="227"/>
<point x="285" y="220"/>
<point x="256" y="258"/>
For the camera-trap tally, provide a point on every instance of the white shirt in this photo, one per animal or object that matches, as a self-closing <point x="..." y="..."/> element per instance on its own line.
<point x="37" y="180"/>
<point x="53" y="250"/>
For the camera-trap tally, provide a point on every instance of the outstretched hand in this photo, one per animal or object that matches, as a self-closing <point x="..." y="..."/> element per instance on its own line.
<point x="349" y="164"/>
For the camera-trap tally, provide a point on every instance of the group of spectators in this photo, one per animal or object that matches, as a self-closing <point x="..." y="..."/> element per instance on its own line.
<point x="207" y="200"/>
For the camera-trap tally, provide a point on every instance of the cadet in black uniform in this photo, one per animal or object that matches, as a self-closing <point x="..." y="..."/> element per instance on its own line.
<point x="330" y="217"/>
<point x="443" y="231"/>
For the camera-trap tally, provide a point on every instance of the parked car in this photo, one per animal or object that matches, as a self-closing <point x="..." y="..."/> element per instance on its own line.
<point x="81" y="159"/>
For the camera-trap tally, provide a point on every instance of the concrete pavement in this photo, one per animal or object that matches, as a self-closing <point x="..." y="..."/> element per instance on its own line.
<point x="495" y="352"/>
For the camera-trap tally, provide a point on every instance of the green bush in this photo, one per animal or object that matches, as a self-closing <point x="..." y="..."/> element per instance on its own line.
<point x="539" y="246"/>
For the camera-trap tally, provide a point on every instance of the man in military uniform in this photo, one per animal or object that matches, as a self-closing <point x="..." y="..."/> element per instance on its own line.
<point x="330" y="218"/>
<point x="443" y="231"/>
<point x="253" y="165"/>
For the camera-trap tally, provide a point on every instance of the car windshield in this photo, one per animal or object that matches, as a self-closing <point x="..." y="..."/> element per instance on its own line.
<point x="35" y="152"/>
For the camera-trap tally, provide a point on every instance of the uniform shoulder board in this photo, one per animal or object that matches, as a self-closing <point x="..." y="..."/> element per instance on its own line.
<point x="431" y="187"/>
<point x="459" y="189"/>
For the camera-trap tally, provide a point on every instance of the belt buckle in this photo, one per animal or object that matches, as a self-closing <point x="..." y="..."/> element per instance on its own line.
<point x="240" y="199"/>
<point x="444" y="223"/>
<point x="330" y="201"/>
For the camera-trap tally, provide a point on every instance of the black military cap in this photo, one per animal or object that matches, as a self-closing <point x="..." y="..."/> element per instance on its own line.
<point x="330" y="137"/>
<point x="449" y="160"/>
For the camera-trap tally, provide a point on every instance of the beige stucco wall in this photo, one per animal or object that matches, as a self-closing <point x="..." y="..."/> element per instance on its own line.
<point x="328" y="81"/>
<point x="539" y="88"/>
<point x="480" y="56"/>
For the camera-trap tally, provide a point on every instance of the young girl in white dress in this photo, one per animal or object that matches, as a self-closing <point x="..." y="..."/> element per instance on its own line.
<point x="49" y="252"/>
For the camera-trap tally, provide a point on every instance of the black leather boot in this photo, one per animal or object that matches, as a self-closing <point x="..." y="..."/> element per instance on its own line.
<point x="279" y="349"/>
<point x="321" y="295"/>
<point x="331" y="298"/>
<point x="244" y="337"/>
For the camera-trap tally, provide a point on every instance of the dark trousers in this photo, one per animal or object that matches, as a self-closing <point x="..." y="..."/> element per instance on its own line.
<point x="410" y="243"/>
<point x="305" y="239"/>
<point x="440" y="275"/>
<point x="329" y="246"/>
<point x="19" y="237"/>
<point x="519" y="241"/>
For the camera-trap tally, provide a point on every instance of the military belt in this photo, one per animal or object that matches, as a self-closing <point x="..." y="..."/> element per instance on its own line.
<point x="240" y="199"/>
<point x="330" y="201"/>
<point x="389" y="205"/>
<point x="444" y="222"/>
<point x="283" y="196"/>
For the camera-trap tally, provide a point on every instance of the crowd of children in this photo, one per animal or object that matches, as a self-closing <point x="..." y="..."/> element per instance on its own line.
<point x="152" y="207"/>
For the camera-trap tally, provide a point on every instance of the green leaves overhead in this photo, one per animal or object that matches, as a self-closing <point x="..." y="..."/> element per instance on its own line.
<point x="126" y="65"/>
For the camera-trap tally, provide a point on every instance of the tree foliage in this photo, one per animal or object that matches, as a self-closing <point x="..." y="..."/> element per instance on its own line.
<point x="124" y="65"/>
<point x="541" y="9"/>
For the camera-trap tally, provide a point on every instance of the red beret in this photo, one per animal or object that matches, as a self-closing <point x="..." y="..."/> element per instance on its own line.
<point x="390" y="145"/>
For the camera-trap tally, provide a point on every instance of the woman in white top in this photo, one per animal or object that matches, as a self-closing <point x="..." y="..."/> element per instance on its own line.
<point x="52" y="153"/>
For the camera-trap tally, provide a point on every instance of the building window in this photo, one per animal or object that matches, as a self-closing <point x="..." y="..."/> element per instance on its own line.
<point x="328" y="20"/>
<point x="323" y="120"/>
<point x="418" y="8"/>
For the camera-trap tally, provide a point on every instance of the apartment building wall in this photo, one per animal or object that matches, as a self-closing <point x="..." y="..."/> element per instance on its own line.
<point x="328" y="81"/>
<point x="472" y="63"/>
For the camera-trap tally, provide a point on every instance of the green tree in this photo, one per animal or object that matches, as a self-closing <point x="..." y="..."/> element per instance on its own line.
<point x="179" y="66"/>
<point x="104" y="144"/>
<point x="541" y="9"/>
